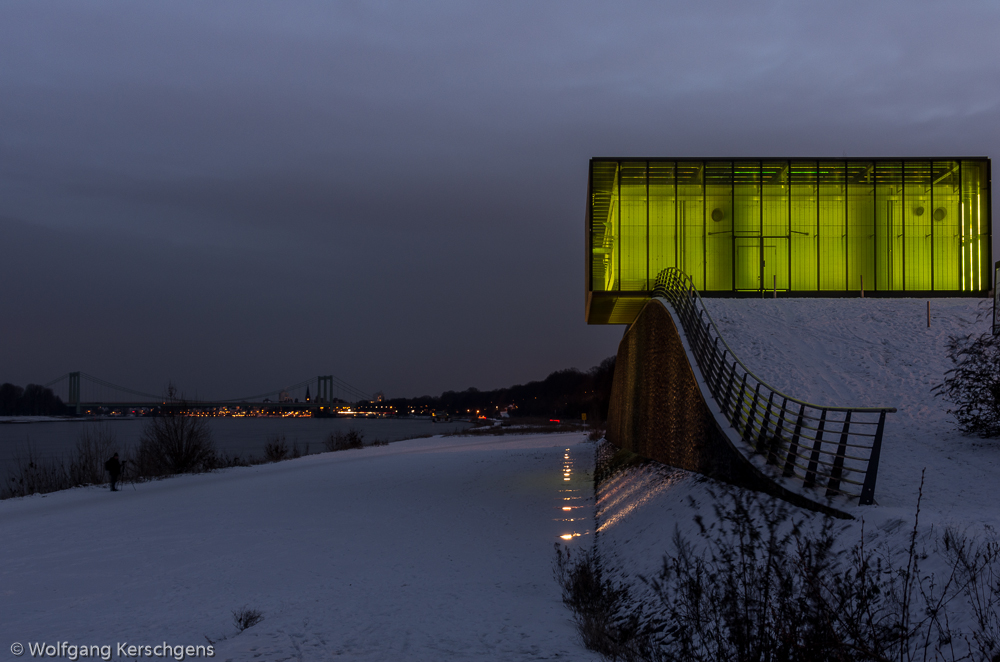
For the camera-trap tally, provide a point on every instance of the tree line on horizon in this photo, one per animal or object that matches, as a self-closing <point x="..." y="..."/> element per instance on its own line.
<point x="32" y="400"/>
<point x="564" y="394"/>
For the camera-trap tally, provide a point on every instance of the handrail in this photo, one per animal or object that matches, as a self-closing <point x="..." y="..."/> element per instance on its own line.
<point x="788" y="431"/>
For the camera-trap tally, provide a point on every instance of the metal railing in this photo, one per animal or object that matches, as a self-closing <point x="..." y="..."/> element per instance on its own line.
<point x="836" y="448"/>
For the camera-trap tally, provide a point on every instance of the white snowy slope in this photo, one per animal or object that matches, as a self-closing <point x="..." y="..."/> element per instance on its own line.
<point x="879" y="352"/>
<point x="428" y="549"/>
<point x="838" y="352"/>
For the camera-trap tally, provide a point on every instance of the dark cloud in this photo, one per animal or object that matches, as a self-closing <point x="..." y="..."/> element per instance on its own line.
<point x="242" y="194"/>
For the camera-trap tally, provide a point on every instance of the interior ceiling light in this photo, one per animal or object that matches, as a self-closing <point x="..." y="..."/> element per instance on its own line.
<point x="718" y="214"/>
<point x="940" y="213"/>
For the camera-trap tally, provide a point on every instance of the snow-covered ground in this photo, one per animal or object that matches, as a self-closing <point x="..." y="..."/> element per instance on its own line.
<point x="428" y="549"/>
<point x="839" y="352"/>
<point x="877" y="352"/>
<point x="442" y="548"/>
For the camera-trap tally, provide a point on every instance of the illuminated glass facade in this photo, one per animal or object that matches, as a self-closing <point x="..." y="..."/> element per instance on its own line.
<point x="803" y="227"/>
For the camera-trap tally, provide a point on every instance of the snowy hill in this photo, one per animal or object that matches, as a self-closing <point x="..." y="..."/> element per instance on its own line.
<point x="878" y="352"/>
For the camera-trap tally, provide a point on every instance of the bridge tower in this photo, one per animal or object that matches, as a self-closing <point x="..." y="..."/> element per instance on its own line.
<point x="74" y="391"/>
<point x="324" y="389"/>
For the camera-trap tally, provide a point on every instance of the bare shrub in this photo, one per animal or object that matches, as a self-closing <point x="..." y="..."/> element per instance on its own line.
<point x="596" y="434"/>
<point x="276" y="448"/>
<point x="295" y="449"/>
<point x="341" y="441"/>
<point x="245" y="617"/>
<point x="28" y="474"/>
<point x="597" y="606"/>
<point x="97" y="443"/>
<point x="974" y="384"/>
<point x="175" y="444"/>
<point x="758" y="586"/>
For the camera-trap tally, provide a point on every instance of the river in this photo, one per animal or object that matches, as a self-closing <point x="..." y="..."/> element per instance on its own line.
<point x="56" y="439"/>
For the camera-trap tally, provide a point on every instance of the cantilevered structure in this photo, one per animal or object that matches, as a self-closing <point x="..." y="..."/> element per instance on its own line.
<point x="799" y="227"/>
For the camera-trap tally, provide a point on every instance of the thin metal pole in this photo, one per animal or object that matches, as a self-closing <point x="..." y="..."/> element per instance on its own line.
<point x="871" y="474"/>
<point x="810" y="480"/>
<point x="833" y="486"/>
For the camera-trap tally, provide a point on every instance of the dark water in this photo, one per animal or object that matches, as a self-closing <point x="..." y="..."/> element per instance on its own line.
<point x="232" y="436"/>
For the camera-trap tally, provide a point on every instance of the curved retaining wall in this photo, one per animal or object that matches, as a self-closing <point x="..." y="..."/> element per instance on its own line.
<point x="659" y="411"/>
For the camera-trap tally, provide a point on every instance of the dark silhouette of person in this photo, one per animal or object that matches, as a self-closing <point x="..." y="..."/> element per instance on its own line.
<point x="114" y="468"/>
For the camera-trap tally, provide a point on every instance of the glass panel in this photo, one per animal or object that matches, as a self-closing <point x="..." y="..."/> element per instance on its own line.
<point x="832" y="226"/>
<point x="603" y="219"/>
<point x="662" y="218"/>
<point x="633" y="226"/>
<point x="690" y="220"/>
<point x="860" y="225"/>
<point x="746" y="224"/>
<point x="946" y="229"/>
<point x="889" y="225"/>
<point x="975" y="227"/>
<point x="917" y="225"/>
<point x="802" y="182"/>
<point x="719" y="225"/>
<point x="774" y="224"/>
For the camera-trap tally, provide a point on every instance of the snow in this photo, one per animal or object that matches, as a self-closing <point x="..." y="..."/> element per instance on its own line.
<point x="879" y="352"/>
<point x="427" y="549"/>
<point x="442" y="548"/>
<point x="870" y="352"/>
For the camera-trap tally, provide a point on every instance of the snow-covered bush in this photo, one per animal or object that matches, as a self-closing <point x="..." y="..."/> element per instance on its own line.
<point x="973" y="385"/>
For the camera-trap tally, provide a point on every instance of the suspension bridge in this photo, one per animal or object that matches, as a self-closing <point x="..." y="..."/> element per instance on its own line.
<point x="322" y="395"/>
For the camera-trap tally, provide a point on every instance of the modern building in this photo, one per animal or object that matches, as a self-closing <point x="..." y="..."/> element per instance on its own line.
<point x="797" y="227"/>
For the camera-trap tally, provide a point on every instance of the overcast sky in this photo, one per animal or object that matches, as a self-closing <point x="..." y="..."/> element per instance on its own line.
<point x="238" y="196"/>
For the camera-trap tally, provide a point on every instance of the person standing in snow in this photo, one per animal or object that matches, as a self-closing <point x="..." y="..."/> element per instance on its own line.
<point x="114" y="468"/>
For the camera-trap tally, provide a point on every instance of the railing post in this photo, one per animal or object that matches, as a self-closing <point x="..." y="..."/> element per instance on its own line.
<point x="772" y="451"/>
<point x="713" y="377"/>
<point x="728" y="395"/>
<point x="764" y="426"/>
<point x="793" y="446"/>
<point x="810" y="480"/>
<point x="742" y="401"/>
<point x="871" y="474"/>
<point x="718" y="367"/>
<point x="752" y="415"/>
<point x="833" y="487"/>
